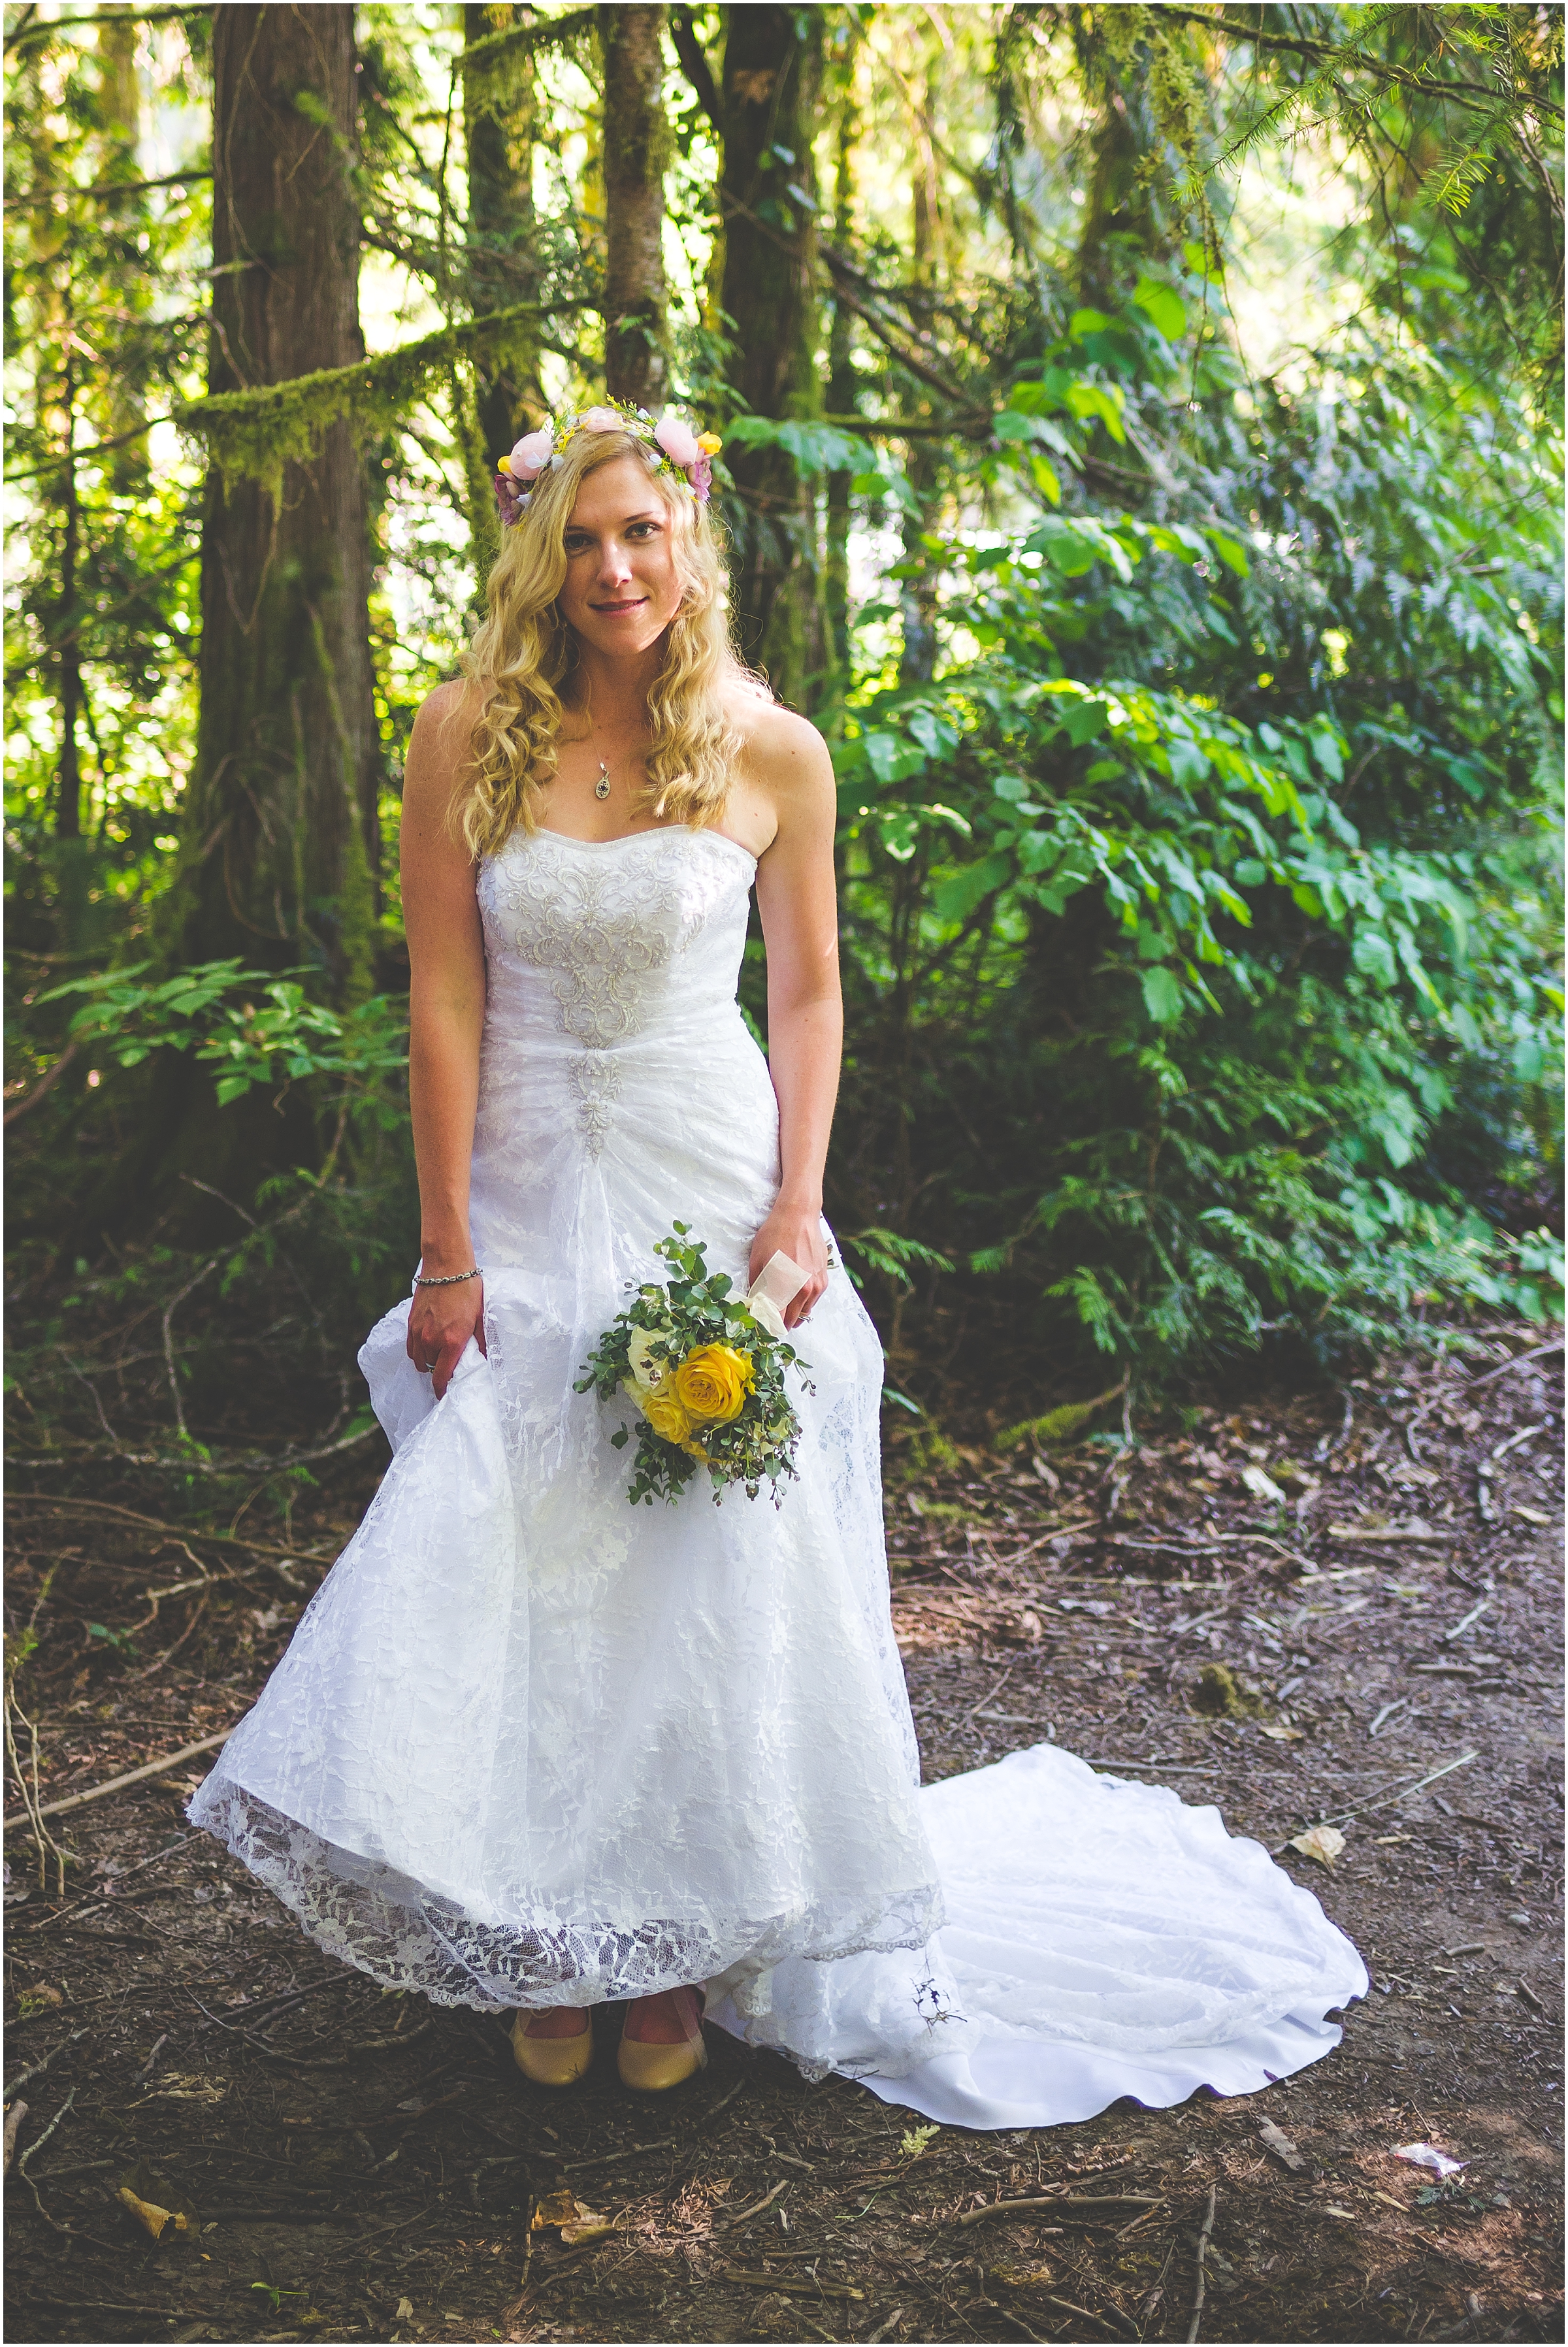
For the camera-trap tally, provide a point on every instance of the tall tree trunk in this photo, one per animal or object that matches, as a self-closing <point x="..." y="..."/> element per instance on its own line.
<point x="772" y="78"/>
<point x="917" y="593"/>
<point x="280" y="835"/>
<point x="279" y="850"/>
<point x="843" y="386"/>
<point x="499" y="134"/>
<point x="636" y="154"/>
<point x="119" y="99"/>
<point x="69" y="803"/>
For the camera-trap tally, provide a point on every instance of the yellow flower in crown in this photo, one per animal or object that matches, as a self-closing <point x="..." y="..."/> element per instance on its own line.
<point x="711" y="1384"/>
<point x="665" y="1414"/>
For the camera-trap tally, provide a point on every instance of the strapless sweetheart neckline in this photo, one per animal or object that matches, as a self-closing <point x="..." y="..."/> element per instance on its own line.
<point x="655" y="831"/>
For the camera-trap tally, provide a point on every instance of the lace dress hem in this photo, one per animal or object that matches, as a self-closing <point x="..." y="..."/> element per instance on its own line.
<point x="405" y="1936"/>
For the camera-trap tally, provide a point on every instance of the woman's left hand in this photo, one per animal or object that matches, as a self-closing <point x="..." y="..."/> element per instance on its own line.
<point x="794" y="1231"/>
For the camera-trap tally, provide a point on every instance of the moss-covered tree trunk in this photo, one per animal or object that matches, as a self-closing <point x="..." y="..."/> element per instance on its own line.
<point x="918" y="592"/>
<point x="636" y="154"/>
<point x="842" y="389"/>
<point x="279" y="851"/>
<point x="498" y="131"/>
<point x="770" y="90"/>
<point x="280" y="811"/>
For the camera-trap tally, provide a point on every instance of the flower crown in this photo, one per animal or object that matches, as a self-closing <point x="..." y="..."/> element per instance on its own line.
<point x="679" y="450"/>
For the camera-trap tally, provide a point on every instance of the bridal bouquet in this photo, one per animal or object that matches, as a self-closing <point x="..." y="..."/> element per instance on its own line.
<point x="706" y="1369"/>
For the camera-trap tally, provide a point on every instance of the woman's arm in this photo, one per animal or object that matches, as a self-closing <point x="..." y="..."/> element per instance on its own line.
<point x="795" y="898"/>
<point x="447" y="1017"/>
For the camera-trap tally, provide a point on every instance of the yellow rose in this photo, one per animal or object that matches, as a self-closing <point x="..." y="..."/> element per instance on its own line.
<point x="709" y="443"/>
<point x="664" y="1413"/>
<point x="711" y="1384"/>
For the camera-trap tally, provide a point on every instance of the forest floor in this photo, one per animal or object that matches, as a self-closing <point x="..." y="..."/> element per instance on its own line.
<point x="350" y="2165"/>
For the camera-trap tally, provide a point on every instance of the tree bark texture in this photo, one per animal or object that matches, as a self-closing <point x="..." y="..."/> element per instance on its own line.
<point x="770" y="90"/>
<point x="282" y="804"/>
<point x="843" y="393"/>
<point x="69" y="803"/>
<point x="499" y="138"/>
<point x="917" y="593"/>
<point x="119" y="97"/>
<point x="637" y="145"/>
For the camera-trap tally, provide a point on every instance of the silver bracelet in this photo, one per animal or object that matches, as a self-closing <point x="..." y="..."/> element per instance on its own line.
<point x="451" y="1279"/>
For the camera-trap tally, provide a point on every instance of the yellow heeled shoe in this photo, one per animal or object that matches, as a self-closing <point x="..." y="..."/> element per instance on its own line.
<point x="552" y="2061"/>
<point x="653" y="2069"/>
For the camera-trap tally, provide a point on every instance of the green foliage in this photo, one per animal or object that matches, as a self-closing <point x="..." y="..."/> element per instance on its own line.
<point x="278" y="1040"/>
<point x="896" y="1258"/>
<point x="1219" y="936"/>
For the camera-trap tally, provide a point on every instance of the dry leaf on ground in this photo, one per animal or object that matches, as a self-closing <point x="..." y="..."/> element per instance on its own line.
<point x="1322" y="1842"/>
<point x="155" y="2203"/>
<point x="1277" y="2141"/>
<point x="556" y="2208"/>
<point x="147" y="2212"/>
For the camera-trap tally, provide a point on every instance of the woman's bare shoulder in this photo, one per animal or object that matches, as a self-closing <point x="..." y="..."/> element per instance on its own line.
<point x="779" y="747"/>
<point x="450" y="709"/>
<point x="435" y="769"/>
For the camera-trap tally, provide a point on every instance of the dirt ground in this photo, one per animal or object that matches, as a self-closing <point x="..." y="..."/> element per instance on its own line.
<point x="1369" y="1637"/>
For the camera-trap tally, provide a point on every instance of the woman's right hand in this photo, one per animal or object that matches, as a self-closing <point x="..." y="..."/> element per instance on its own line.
<point x="440" y="1322"/>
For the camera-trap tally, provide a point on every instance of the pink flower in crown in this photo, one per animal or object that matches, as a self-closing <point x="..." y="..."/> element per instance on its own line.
<point x="601" y="419"/>
<point x="701" y="475"/>
<point x="531" y="454"/>
<point x="678" y="440"/>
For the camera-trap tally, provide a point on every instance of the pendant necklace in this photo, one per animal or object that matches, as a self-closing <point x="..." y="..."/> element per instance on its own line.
<point x="601" y="788"/>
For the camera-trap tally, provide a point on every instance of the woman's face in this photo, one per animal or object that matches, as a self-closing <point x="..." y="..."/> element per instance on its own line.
<point x="622" y="589"/>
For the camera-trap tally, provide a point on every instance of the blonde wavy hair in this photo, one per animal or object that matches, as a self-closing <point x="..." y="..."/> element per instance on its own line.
<point x="523" y="652"/>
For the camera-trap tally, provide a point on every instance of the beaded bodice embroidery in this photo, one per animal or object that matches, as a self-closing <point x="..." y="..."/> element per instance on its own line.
<point x="627" y="936"/>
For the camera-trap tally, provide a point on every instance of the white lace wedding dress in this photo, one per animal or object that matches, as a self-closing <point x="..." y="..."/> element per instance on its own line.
<point x="530" y="1746"/>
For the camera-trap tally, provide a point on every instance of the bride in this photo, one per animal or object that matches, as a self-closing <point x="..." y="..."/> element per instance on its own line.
<point x="532" y="1750"/>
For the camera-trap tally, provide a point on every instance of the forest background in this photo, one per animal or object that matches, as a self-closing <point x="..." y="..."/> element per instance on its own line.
<point x="1141" y="459"/>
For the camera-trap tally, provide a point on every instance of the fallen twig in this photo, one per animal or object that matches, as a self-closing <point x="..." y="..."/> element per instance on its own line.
<point x="39" y="2068"/>
<point x="116" y="1784"/>
<point x="1534" y="1354"/>
<point x="1087" y="2314"/>
<point x="726" y="2097"/>
<point x="14" y="2119"/>
<point x="1199" y="2294"/>
<point x="337" y="2061"/>
<point x="36" y="2145"/>
<point x="1342" y="1816"/>
<point x="1211" y="1547"/>
<point x="611" y="2158"/>
<point x="1060" y="2205"/>
<point x="788" y="2282"/>
<point x="1389" y="1533"/>
<point x="757" y="2207"/>
<point x="32" y="1813"/>
<point x="1057" y="2197"/>
<point x="156" y="1524"/>
<point x="96" y="1899"/>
